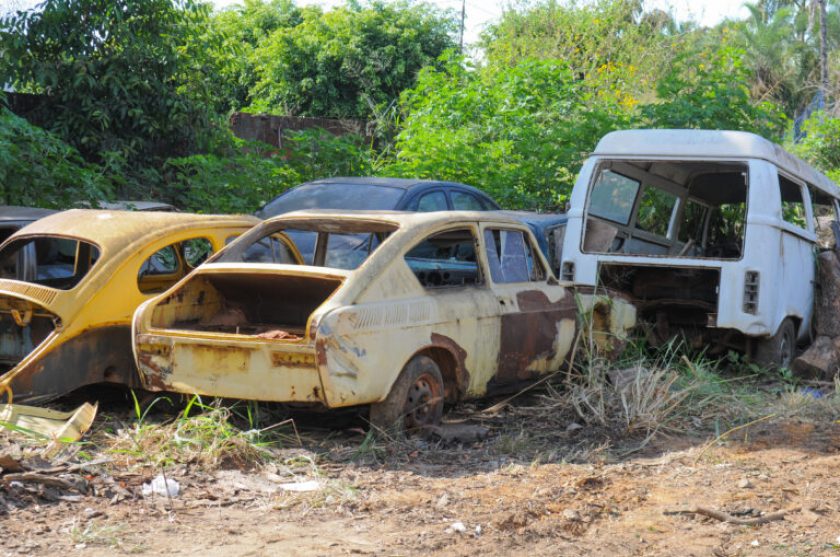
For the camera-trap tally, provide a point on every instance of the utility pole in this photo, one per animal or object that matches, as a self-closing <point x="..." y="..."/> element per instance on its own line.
<point x="463" y="17"/>
<point x="823" y="54"/>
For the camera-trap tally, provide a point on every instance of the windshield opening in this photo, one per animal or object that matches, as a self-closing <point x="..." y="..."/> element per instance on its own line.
<point x="335" y="245"/>
<point x="670" y="208"/>
<point x="48" y="260"/>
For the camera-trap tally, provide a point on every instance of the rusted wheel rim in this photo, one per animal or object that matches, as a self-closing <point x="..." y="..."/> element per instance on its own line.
<point x="423" y="398"/>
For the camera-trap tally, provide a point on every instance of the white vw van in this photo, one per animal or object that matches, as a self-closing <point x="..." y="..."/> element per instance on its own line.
<point x="711" y="233"/>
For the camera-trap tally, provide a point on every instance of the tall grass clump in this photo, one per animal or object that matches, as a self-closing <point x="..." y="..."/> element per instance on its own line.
<point x="201" y="434"/>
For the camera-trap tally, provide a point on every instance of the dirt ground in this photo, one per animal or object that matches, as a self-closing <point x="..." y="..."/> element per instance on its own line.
<point x="574" y="492"/>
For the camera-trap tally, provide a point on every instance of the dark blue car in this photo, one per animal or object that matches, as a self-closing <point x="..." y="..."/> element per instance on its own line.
<point x="372" y="194"/>
<point x="385" y="194"/>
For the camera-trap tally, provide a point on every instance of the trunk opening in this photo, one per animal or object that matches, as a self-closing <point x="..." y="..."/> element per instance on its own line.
<point x="267" y="306"/>
<point x="23" y="327"/>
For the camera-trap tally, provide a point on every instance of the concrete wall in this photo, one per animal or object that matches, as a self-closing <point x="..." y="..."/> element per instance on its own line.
<point x="270" y="129"/>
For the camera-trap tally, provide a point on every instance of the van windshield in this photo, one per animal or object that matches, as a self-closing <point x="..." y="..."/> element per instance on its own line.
<point x="667" y="208"/>
<point x="48" y="260"/>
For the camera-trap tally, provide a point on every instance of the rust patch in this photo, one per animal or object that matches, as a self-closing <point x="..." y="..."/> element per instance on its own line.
<point x="529" y="334"/>
<point x="462" y="375"/>
<point x="101" y="355"/>
<point x="292" y="359"/>
<point x="321" y="352"/>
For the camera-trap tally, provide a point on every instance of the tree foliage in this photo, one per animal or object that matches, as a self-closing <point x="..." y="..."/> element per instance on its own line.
<point x="520" y="132"/>
<point x="709" y="90"/>
<point x="347" y="62"/>
<point x="113" y="73"/>
<point x="37" y="169"/>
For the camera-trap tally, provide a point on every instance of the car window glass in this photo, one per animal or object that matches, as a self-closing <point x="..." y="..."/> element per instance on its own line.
<point x="462" y="201"/>
<point x="793" y="207"/>
<point x="325" y="244"/>
<point x="334" y="196"/>
<point x="162" y="262"/>
<point x="655" y="209"/>
<point x="510" y="257"/>
<point x="50" y="261"/>
<point x="196" y="251"/>
<point x="434" y="201"/>
<point x="445" y="259"/>
<point x="348" y="251"/>
<point x="612" y="197"/>
<point x="270" y="249"/>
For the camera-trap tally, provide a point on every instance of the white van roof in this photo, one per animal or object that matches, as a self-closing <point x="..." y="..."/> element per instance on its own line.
<point x="710" y="144"/>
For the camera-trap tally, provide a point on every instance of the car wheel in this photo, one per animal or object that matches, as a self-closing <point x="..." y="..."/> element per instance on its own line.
<point x="415" y="401"/>
<point x="777" y="351"/>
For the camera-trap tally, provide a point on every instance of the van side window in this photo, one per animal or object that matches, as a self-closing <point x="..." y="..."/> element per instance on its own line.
<point x="445" y="259"/>
<point x="793" y="206"/>
<point x="824" y="213"/>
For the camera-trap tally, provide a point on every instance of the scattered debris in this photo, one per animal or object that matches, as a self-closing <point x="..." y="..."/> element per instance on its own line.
<point x="163" y="486"/>
<point x="311" y="485"/>
<point x="726" y="517"/>
<point x="458" y="433"/>
<point x="456" y="528"/>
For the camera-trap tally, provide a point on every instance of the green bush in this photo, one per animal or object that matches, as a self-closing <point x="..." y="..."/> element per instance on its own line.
<point x="37" y="169"/>
<point x="520" y="133"/>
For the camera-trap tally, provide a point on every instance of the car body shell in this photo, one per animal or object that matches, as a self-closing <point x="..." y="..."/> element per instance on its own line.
<point x="90" y="342"/>
<point x="486" y="337"/>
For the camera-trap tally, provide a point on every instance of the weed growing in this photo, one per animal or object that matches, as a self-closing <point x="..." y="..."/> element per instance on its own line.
<point x="201" y="434"/>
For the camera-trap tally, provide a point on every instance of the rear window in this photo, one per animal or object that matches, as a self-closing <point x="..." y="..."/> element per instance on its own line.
<point x="335" y="196"/>
<point x="48" y="260"/>
<point x="333" y="245"/>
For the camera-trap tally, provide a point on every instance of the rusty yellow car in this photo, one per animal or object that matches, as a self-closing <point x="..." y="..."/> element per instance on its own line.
<point x="399" y="311"/>
<point x="69" y="285"/>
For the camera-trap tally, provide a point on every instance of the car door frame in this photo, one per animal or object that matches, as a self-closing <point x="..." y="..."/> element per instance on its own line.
<point x="537" y="318"/>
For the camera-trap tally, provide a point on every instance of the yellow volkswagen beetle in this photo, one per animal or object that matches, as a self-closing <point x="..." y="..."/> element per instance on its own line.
<point x="69" y="285"/>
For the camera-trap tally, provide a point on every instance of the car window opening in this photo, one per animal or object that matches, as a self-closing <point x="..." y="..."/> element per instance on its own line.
<point x="446" y="259"/>
<point x="321" y="246"/>
<point x="670" y="208"/>
<point x="50" y="261"/>
<point x="510" y="257"/>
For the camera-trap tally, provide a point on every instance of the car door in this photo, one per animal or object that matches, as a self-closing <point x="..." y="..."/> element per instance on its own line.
<point x="537" y="316"/>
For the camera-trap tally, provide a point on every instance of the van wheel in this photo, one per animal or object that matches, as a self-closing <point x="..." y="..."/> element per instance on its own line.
<point x="777" y="352"/>
<point x="415" y="400"/>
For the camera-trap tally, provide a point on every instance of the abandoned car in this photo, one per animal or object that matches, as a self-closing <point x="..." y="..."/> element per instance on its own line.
<point x="400" y="311"/>
<point x="69" y="285"/>
<point x="711" y="233"/>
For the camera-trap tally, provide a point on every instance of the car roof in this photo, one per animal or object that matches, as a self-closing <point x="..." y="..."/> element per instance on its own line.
<point x="128" y="205"/>
<point x="402" y="183"/>
<point x="9" y="213"/>
<point x="711" y="144"/>
<point x="113" y="230"/>
<point x="543" y="219"/>
<point x="399" y="218"/>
